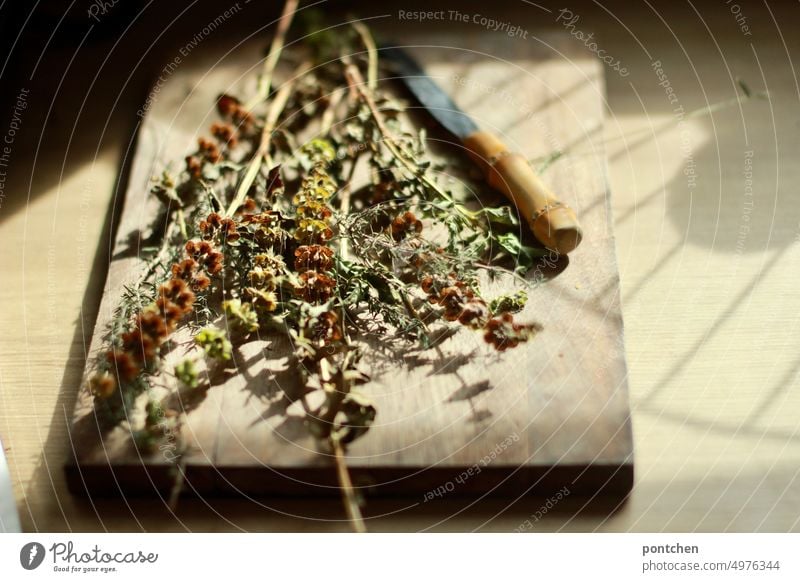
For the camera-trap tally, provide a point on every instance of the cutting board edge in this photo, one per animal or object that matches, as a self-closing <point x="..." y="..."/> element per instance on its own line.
<point x="612" y="480"/>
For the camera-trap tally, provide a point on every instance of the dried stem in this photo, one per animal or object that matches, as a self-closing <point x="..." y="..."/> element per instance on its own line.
<point x="372" y="52"/>
<point x="328" y="116"/>
<point x="344" y="207"/>
<point x="348" y="492"/>
<point x="265" y="82"/>
<point x="177" y="484"/>
<point x="262" y="153"/>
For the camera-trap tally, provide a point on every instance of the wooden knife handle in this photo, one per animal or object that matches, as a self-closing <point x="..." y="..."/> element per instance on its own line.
<point x="552" y="222"/>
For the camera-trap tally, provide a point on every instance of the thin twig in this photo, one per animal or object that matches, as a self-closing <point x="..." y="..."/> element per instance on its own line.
<point x="372" y="53"/>
<point x="262" y="153"/>
<point x="346" y="485"/>
<point x="275" y="49"/>
<point x="327" y="419"/>
<point x="182" y="223"/>
<point x="177" y="484"/>
<point x="166" y="242"/>
<point x="344" y="206"/>
<point x="328" y="116"/>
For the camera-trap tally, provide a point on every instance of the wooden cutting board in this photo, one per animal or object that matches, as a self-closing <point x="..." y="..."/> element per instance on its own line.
<point x="550" y="414"/>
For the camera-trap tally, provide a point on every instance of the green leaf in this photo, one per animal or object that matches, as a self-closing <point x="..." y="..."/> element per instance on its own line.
<point x="501" y="215"/>
<point x="511" y="244"/>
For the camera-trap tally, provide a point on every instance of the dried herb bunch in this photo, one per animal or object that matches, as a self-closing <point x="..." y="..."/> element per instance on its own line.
<point x="267" y="235"/>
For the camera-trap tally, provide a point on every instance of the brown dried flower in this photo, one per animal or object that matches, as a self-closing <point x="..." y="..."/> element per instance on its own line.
<point x="313" y="258"/>
<point x="503" y="333"/>
<point x="215" y="224"/>
<point x="102" y="385"/>
<point x="200" y="282"/>
<point x="225" y="133"/>
<point x="209" y="150"/>
<point x="194" y="166"/>
<point x="315" y="287"/>
<point x="324" y="328"/>
<point x="185" y="269"/>
<point x="152" y="324"/>
<point x="405" y="224"/>
<point x="230" y="107"/>
<point x="122" y="365"/>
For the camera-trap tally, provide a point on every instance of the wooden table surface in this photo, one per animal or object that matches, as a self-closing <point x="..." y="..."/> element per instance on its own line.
<point x="708" y="262"/>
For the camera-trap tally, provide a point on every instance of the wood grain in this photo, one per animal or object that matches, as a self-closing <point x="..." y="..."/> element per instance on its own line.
<point x="549" y="414"/>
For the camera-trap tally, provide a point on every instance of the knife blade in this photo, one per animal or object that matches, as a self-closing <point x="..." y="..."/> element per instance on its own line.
<point x="9" y="518"/>
<point x="552" y="222"/>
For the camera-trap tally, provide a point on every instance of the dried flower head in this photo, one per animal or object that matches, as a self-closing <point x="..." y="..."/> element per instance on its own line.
<point x="324" y="328"/>
<point x="184" y="269"/>
<point x="141" y="347"/>
<point x="217" y="227"/>
<point x="122" y="364"/>
<point x="247" y="207"/>
<point x="225" y="133"/>
<point x="203" y="252"/>
<point x="178" y="292"/>
<point x="474" y="314"/>
<point x="230" y="107"/>
<point x="209" y="150"/>
<point x="194" y="166"/>
<point x="240" y="315"/>
<point x="102" y="385"/>
<point x="186" y="373"/>
<point x="151" y="324"/>
<point x="270" y="262"/>
<point x="313" y="258"/>
<point x="405" y="225"/>
<point x="227" y="105"/>
<point x="214" y="343"/>
<point x="503" y="333"/>
<point x="200" y="282"/>
<point x="263" y="301"/>
<point x="263" y="279"/>
<point x="315" y="287"/>
<point x="311" y="231"/>
<point x="270" y="238"/>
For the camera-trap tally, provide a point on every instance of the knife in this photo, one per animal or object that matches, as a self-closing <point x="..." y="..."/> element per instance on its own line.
<point x="552" y="222"/>
<point x="9" y="519"/>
